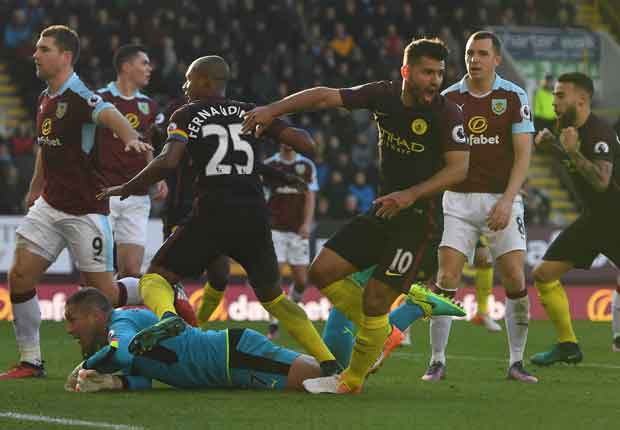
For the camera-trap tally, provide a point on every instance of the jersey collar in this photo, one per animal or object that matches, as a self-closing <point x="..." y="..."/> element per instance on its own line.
<point x="465" y="89"/>
<point x="63" y="88"/>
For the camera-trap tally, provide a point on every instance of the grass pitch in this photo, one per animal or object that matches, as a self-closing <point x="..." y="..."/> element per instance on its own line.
<point x="475" y="394"/>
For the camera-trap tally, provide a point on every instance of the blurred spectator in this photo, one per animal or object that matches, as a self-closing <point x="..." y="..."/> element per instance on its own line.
<point x="363" y="192"/>
<point x="537" y="205"/>
<point x="351" y="207"/>
<point x="342" y="42"/>
<point x="322" y="170"/>
<point x="322" y="209"/>
<point x="9" y="202"/>
<point x="336" y="191"/>
<point x="393" y="42"/>
<point x="544" y="115"/>
<point x="362" y="153"/>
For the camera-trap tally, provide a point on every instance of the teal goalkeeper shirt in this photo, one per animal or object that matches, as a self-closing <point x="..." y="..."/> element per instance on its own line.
<point x="194" y="359"/>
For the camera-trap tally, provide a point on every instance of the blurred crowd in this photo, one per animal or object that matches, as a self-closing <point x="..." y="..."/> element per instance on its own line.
<point x="274" y="48"/>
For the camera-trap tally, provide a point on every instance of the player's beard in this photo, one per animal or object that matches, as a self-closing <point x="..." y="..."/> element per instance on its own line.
<point x="420" y="94"/>
<point x="568" y="118"/>
<point x="97" y="342"/>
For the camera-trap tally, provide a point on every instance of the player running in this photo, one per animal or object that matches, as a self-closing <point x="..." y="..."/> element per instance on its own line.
<point x="589" y="150"/>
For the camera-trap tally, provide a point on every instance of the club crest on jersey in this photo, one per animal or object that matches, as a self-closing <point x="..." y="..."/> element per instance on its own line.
<point x="300" y="169"/>
<point x="61" y="109"/>
<point x="499" y="106"/>
<point x="419" y="126"/>
<point x="144" y="108"/>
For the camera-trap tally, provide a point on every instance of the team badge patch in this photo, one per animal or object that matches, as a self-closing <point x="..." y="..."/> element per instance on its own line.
<point x="159" y="119"/>
<point x="458" y="134"/>
<point x="601" y="148"/>
<point x="498" y="106"/>
<point x="300" y="169"/>
<point x="526" y="113"/>
<point x="171" y="127"/>
<point x="61" y="109"/>
<point x="144" y="108"/>
<point x="419" y="126"/>
<point x="94" y="100"/>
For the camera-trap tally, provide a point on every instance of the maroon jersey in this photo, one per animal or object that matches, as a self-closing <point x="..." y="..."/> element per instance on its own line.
<point x="66" y="133"/>
<point x="491" y="121"/>
<point x="118" y="166"/>
<point x="412" y="140"/>
<point x="287" y="203"/>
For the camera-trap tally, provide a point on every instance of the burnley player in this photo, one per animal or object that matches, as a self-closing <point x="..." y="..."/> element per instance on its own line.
<point x="129" y="218"/>
<point x="497" y="118"/>
<point x="63" y="209"/>
<point x="231" y="216"/>
<point x="589" y="149"/>
<point x="423" y="150"/>
<point x="292" y="214"/>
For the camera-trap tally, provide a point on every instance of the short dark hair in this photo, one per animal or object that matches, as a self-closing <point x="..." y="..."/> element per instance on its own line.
<point x="125" y="54"/>
<point x="433" y="48"/>
<point x="484" y="34"/>
<point x="91" y="297"/>
<point x="66" y="38"/>
<point x="580" y="80"/>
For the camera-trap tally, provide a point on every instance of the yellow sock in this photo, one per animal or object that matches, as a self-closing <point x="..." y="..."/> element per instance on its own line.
<point x="211" y="299"/>
<point x="346" y="296"/>
<point x="484" y="286"/>
<point x="157" y="294"/>
<point x="296" y="322"/>
<point x="553" y="297"/>
<point x="368" y="345"/>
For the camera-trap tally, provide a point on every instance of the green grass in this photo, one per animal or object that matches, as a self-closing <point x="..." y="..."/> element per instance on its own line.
<point x="475" y="395"/>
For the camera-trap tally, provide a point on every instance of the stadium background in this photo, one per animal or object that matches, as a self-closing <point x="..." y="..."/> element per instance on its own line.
<point x="278" y="47"/>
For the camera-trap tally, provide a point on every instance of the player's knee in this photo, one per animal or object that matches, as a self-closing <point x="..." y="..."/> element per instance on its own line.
<point x="514" y="282"/>
<point x="318" y="277"/>
<point x="448" y="279"/>
<point x="541" y="275"/>
<point x="19" y="280"/>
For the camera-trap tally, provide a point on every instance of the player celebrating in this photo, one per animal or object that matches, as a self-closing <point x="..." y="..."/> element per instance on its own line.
<point x="64" y="211"/>
<point x="231" y="216"/>
<point x="588" y="147"/>
<point x="423" y="150"/>
<point x="292" y="213"/>
<point x="488" y="202"/>
<point x="129" y="218"/>
<point x="240" y="358"/>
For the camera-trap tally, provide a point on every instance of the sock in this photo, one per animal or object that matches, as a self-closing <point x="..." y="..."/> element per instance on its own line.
<point x="368" y="345"/>
<point x="26" y="323"/>
<point x="346" y="296"/>
<point x="295" y="295"/>
<point x="339" y="336"/>
<point x="517" y="321"/>
<point x="484" y="286"/>
<point x="157" y="294"/>
<point x="404" y="315"/>
<point x="553" y="298"/>
<point x="129" y="289"/>
<point x="211" y="299"/>
<point x="615" y="314"/>
<point x="296" y="322"/>
<point x="440" y="332"/>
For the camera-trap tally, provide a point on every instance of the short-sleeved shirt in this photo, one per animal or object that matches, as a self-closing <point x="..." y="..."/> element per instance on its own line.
<point x="223" y="159"/>
<point x="116" y="165"/>
<point x="66" y="133"/>
<point x="491" y="121"/>
<point x="597" y="141"/>
<point x="412" y="140"/>
<point x="286" y="203"/>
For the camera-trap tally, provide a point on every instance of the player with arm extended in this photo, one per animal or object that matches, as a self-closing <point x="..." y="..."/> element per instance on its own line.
<point x="423" y="150"/>
<point x="63" y="209"/>
<point x="231" y="216"/>
<point x="233" y="358"/>
<point x="589" y="149"/>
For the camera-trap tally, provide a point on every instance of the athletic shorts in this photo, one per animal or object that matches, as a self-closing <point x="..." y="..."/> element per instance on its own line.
<point x="291" y="248"/>
<point x="256" y="362"/>
<point x="130" y="219"/>
<point x="465" y="220"/>
<point x="242" y="235"/>
<point x="46" y="231"/>
<point x="582" y="241"/>
<point x="404" y="248"/>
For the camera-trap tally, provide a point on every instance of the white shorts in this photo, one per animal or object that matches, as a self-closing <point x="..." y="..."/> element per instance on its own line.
<point x="46" y="231"/>
<point x="130" y="219"/>
<point x="291" y="248"/>
<point x="465" y="220"/>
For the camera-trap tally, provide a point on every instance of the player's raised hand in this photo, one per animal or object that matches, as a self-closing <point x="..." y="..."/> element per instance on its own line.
<point x="257" y="120"/>
<point x="569" y="139"/>
<point x="500" y="215"/>
<point x="137" y="145"/>
<point x="544" y="137"/>
<point x="118" y="190"/>
<point x="391" y="204"/>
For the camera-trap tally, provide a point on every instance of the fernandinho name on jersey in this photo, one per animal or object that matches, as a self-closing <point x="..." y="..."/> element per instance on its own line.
<point x="209" y="112"/>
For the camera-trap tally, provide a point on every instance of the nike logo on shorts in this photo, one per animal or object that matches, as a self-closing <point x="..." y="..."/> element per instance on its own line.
<point x="390" y="273"/>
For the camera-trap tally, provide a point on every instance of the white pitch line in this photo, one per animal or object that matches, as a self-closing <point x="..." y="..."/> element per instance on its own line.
<point x="400" y="354"/>
<point x="66" y="421"/>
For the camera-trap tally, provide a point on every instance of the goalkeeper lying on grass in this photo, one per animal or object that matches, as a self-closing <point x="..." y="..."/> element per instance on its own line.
<point x="189" y="358"/>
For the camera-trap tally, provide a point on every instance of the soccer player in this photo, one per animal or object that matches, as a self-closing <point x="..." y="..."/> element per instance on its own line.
<point x="233" y="358"/>
<point x="129" y="218"/>
<point x="63" y="209"/>
<point x="231" y="216"/>
<point x="292" y="214"/>
<point x="423" y="150"/>
<point x="497" y="117"/>
<point x="590" y="151"/>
